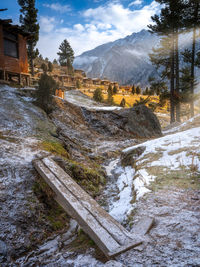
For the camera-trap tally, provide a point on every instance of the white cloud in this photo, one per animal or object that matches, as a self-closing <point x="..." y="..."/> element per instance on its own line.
<point x="47" y="24"/>
<point x="135" y="3"/>
<point x="102" y="24"/>
<point x="58" y="7"/>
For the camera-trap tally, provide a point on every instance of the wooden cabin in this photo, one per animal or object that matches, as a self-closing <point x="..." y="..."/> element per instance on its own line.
<point x="96" y="81"/>
<point x="105" y="82"/>
<point x="13" y="53"/>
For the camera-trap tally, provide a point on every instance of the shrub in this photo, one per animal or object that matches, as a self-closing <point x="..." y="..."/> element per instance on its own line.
<point x="123" y="103"/>
<point x="45" y="92"/>
<point x="97" y="96"/>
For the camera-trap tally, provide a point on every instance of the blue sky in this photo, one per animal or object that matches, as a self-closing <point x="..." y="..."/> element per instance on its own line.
<point x="85" y="24"/>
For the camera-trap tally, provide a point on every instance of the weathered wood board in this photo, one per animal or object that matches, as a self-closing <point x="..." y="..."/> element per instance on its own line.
<point x="110" y="236"/>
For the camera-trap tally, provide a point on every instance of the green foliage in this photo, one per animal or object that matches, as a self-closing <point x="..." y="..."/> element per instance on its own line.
<point x="146" y="91"/>
<point x="45" y="92"/>
<point x="142" y="101"/>
<point x="164" y="96"/>
<point x="70" y="69"/>
<point x="110" y="90"/>
<point x="123" y="103"/>
<point x="90" y="179"/>
<point x="138" y="90"/>
<point x="157" y="86"/>
<point x="78" y="84"/>
<point x="110" y="99"/>
<point x="44" y="67"/>
<point x="28" y="20"/>
<point x="133" y="90"/>
<point x="55" y="147"/>
<point x="50" y="66"/>
<point x="55" y="62"/>
<point x="115" y="89"/>
<point x="97" y="96"/>
<point x="53" y="212"/>
<point x="66" y="54"/>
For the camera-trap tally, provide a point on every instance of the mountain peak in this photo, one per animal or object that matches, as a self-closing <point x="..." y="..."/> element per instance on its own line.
<point x="125" y="60"/>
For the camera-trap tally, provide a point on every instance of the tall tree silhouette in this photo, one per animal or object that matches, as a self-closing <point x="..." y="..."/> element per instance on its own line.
<point x="28" y="20"/>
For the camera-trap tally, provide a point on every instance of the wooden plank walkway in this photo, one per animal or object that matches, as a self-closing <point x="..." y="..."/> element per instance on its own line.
<point x="109" y="235"/>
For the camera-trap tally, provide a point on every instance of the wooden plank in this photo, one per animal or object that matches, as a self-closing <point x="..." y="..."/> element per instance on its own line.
<point x="108" y="234"/>
<point x="116" y="230"/>
<point x="143" y="226"/>
<point x="77" y="211"/>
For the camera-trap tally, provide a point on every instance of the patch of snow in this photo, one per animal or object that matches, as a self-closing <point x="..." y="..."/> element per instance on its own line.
<point x="122" y="207"/>
<point x="77" y="98"/>
<point x="174" y="151"/>
<point x="143" y="179"/>
<point x="85" y="260"/>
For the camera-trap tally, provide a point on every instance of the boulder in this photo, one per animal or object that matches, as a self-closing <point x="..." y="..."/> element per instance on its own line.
<point x="141" y="122"/>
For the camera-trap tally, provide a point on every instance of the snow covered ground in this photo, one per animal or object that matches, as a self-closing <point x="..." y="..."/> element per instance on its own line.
<point x="174" y="152"/>
<point x="79" y="99"/>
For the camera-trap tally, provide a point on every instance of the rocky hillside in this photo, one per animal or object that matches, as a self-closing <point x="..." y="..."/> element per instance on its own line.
<point x="125" y="60"/>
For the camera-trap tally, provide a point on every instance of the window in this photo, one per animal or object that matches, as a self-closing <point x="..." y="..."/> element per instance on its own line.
<point x="10" y="44"/>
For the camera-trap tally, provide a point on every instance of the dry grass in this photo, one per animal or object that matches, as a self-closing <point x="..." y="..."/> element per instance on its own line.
<point x="130" y="99"/>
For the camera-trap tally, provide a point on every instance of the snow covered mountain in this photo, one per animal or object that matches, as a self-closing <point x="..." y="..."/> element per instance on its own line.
<point x="124" y="60"/>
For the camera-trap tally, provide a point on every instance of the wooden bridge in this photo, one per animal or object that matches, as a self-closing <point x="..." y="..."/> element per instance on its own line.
<point x="110" y="236"/>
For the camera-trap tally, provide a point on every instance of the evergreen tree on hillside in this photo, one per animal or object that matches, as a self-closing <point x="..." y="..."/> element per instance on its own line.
<point x="123" y="103"/>
<point x="66" y="54"/>
<point x="115" y="89"/>
<point x="110" y="90"/>
<point x="97" y="95"/>
<point x="169" y="24"/>
<point x="70" y="68"/>
<point x="138" y="90"/>
<point x="146" y="91"/>
<point x="133" y="90"/>
<point x="50" y="66"/>
<point x="55" y="62"/>
<point x="44" y="67"/>
<point x="45" y="92"/>
<point x="192" y="21"/>
<point x="110" y="99"/>
<point x="28" y="20"/>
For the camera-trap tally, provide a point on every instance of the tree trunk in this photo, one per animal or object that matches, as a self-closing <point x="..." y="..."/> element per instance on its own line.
<point x="192" y="72"/>
<point x="177" y="79"/>
<point x="31" y="59"/>
<point x="172" y="105"/>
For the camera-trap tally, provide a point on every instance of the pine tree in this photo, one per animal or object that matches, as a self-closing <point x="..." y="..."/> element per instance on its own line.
<point x="115" y="89"/>
<point x="45" y="92"/>
<point x="110" y="99"/>
<point x="146" y="91"/>
<point x="138" y="90"/>
<point x="133" y="90"/>
<point x="50" y="66"/>
<point x="78" y="84"/>
<point x="55" y="62"/>
<point x="28" y="20"/>
<point x="110" y="90"/>
<point x="44" y="67"/>
<point x="97" y="95"/>
<point x="66" y="54"/>
<point x="192" y="21"/>
<point x="168" y="24"/>
<point x="70" y="68"/>
<point x="123" y="103"/>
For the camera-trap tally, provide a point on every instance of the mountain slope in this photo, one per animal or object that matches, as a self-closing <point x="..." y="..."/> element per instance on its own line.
<point x="124" y="60"/>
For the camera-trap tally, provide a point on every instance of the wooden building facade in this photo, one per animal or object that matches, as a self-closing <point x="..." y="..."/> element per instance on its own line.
<point x="13" y="53"/>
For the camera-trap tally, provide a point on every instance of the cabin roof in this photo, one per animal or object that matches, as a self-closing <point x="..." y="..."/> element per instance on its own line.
<point x="13" y="28"/>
